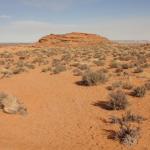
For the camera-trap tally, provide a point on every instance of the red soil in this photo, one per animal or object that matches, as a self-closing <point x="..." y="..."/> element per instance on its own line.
<point x="61" y="115"/>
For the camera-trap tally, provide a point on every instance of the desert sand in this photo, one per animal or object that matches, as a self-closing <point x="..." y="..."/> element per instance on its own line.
<point x="61" y="114"/>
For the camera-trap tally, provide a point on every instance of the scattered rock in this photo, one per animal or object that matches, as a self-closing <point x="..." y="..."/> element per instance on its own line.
<point x="11" y="105"/>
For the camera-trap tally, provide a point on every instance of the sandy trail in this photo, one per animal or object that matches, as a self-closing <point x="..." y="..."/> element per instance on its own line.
<point x="60" y="115"/>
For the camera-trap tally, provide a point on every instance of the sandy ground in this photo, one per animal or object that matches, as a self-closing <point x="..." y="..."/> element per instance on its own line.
<point x="61" y="115"/>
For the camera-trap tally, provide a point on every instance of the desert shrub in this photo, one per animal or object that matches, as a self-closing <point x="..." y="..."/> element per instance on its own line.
<point x="6" y="54"/>
<point x="66" y="57"/>
<point x="104" y="70"/>
<point x="132" y="64"/>
<point x="114" y="64"/>
<point x="2" y="62"/>
<point x="40" y="61"/>
<point x="118" y="100"/>
<point x="114" y="85"/>
<point x="83" y="67"/>
<point x="118" y="70"/>
<point x="46" y="69"/>
<point x="9" y="60"/>
<point x="56" y="62"/>
<point x="138" y="70"/>
<point x="77" y="72"/>
<point x="18" y="70"/>
<point x="139" y="91"/>
<point x="127" y="135"/>
<point x="147" y="85"/>
<point x="125" y="66"/>
<point x="145" y="65"/>
<point x="90" y="78"/>
<point x="6" y="72"/>
<point x="125" y="57"/>
<point x="23" y="54"/>
<point x="75" y="64"/>
<point x="109" y="88"/>
<point x="126" y="118"/>
<point x="98" y="62"/>
<point x="141" y="59"/>
<point x="29" y="66"/>
<point x="114" y="120"/>
<point x="130" y="117"/>
<point x="22" y="57"/>
<point x="117" y="84"/>
<point x="127" y="85"/>
<point x="59" y="68"/>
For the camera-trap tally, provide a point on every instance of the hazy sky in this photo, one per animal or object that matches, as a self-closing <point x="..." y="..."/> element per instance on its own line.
<point x="28" y="20"/>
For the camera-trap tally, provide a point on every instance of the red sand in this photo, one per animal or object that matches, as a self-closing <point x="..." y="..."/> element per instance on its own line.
<point x="60" y="115"/>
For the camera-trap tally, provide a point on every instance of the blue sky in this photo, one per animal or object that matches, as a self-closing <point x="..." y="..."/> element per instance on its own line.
<point x="28" y="20"/>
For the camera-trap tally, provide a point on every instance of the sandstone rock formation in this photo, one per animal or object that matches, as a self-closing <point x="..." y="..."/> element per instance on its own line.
<point x="74" y="39"/>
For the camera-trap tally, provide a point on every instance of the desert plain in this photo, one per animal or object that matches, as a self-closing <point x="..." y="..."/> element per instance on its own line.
<point x="75" y="91"/>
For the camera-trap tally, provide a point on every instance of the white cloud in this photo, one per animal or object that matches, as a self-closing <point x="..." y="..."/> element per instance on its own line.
<point x="30" y="31"/>
<point x="4" y="17"/>
<point x="126" y="29"/>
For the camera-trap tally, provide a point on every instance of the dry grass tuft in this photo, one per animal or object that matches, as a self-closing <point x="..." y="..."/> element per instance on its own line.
<point x="90" y="78"/>
<point x="127" y="135"/>
<point x="139" y="91"/>
<point x="118" y="100"/>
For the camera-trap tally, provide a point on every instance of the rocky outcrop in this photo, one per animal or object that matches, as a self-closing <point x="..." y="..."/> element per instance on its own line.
<point x="74" y="39"/>
<point x="11" y="105"/>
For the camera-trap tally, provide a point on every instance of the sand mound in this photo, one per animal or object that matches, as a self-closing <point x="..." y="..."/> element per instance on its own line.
<point x="71" y="40"/>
